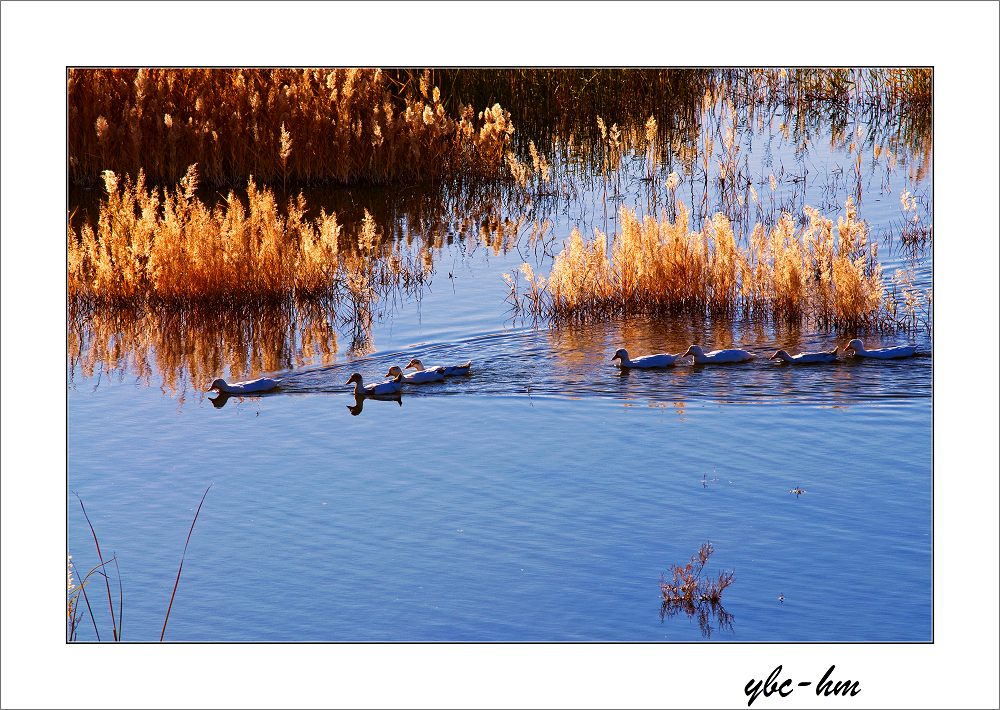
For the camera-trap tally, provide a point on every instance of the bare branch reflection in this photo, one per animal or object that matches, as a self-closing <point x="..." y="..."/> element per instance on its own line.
<point x="705" y="613"/>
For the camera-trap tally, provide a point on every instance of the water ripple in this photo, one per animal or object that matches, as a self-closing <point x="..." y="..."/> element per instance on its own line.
<point x="576" y="364"/>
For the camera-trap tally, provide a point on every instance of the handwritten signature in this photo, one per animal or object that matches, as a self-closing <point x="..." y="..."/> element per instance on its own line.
<point x="774" y="685"/>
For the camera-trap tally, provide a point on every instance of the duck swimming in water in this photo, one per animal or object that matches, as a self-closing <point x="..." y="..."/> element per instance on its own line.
<point x="417" y="378"/>
<point x="882" y="353"/>
<point x="393" y="386"/>
<point x="644" y="362"/>
<point x="449" y="370"/>
<point x="804" y="358"/>
<point x="717" y="356"/>
<point x="264" y="384"/>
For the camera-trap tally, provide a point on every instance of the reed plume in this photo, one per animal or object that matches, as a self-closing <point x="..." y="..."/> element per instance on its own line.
<point x="170" y="247"/>
<point x="662" y="266"/>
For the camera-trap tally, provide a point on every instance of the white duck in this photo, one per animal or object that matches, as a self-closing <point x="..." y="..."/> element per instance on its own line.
<point x="417" y="378"/>
<point x="717" y="356"/>
<point x="882" y="353"/>
<point x="644" y="362"/>
<point x="264" y="384"/>
<point x="393" y="386"/>
<point x="803" y="358"/>
<point x="449" y="370"/>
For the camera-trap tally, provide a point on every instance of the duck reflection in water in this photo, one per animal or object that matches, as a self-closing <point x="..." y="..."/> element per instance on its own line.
<point x="359" y="402"/>
<point x="220" y="400"/>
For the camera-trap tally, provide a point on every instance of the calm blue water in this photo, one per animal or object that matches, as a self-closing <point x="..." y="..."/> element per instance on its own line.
<point x="541" y="498"/>
<point x="469" y="513"/>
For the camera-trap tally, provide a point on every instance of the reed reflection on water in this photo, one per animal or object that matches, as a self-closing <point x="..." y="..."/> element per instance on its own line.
<point x="188" y="348"/>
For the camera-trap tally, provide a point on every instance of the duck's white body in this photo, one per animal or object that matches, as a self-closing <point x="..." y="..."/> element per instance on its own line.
<point x="644" y="362"/>
<point x="882" y="353"/>
<point x="393" y="386"/>
<point x="418" y="378"/>
<point x="717" y="356"/>
<point x="449" y="370"/>
<point x="264" y="384"/>
<point x="805" y="358"/>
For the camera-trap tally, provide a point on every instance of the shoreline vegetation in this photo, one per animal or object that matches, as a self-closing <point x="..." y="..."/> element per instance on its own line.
<point x="353" y="126"/>
<point x="299" y="126"/>
<point x="204" y="225"/>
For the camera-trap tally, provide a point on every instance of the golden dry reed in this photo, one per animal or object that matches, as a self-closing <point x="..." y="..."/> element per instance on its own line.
<point x="831" y="276"/>
<point x="169" y="246"/>
<point x="165" y="283"/>
<point x="279" y="125"/>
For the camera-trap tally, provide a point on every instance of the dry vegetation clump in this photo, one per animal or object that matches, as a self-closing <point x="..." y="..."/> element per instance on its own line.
<point x="169" y="247"/>
<point x="164" y="282"/>
<point x="687" y="586"/>
<point x="688" y="591"/>
<point x="299" y="126"/>
<point x="662" y="266"/>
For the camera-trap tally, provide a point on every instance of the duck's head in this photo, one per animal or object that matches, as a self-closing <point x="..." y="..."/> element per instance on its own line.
<point x="415" y="364"/>
<point x="620" y="354"/>
<point x="694" y="350"/>
<point x="855" y="344"/>
<point x="218" y="384"/>
<point x="355" y="379"/>
<point x="781" y="355"/>
<point x="394" y="372"/>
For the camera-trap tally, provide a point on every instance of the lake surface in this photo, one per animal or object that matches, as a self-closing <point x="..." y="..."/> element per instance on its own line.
<point x="541" y="497"/>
